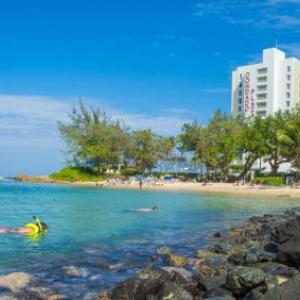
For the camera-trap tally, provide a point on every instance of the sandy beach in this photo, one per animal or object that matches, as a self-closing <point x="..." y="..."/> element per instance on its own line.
<point x="209" y="188"/>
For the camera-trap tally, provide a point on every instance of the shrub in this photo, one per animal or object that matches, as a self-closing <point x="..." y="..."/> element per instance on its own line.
<point x="276" y="181"/>
<point x="76" y="174"/>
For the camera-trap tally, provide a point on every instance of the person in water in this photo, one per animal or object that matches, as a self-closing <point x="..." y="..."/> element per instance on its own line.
<point x="152" y="209"/>
<point x="30" y="229"/>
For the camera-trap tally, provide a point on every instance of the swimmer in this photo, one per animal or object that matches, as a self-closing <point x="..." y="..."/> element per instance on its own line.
<point x="152" y="209"/>
<point x="30" y="229"/>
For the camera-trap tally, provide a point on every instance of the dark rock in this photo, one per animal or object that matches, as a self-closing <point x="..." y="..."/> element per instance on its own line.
<point x="173" y="291"/>
<point x="241" y="280"/>
<point x="179" y="275"/>
<point x="216" y="234"/>
<point x="208" y="283"/>
<point x="243" y="258"/>
<point x="289" y="252"/>
<point x="219" y="292"/>
<point x="286" y="230"/>
<point x="149" y="282"/>
<point x="277" y="269"/>
<point x="222" y="248"/>
<point x="289" y="290"/>
<point x="271" y="247"/>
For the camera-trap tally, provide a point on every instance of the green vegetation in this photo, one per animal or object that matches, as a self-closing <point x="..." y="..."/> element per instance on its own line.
<point x="264" y="180"/>
<point x="74" y="174"/>
<point x="226" y="148"/>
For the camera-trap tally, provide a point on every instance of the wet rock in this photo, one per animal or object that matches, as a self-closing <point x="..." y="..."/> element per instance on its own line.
<point x="209" y="283"/>
<point x="179" y="275"/>
<point x="286" y="230"/>
<point x="243" y="259"/>
<point x="277" y="269"/>
<point x="222" y="248"/>
<point x="40" y="293"/>
<point x="289" y="252"/>
<point x="73" y="271"/>
<point x="219" y="294"/>
<point x="7" y="296"/>
<point x="15" y="281"/>
<point x="271" y="247"/>
<point x="215" y="234"/>
<point x="172" y="291"/>
<point x="288" y="290"/>
<point x="104" y="295"/>
<point x="150" y="281"/>
<point x="240" y="280"/>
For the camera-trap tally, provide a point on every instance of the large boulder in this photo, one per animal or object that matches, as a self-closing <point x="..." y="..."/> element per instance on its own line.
<point x="243" y="258"/>
<point x="240" y="280"/>
<point x="289" y="252"/>
<point x="286" y="230"/>
<point x="289" y="290"/>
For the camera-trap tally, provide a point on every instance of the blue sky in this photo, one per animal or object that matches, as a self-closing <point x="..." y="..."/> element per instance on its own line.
<point x="152" y="64"/>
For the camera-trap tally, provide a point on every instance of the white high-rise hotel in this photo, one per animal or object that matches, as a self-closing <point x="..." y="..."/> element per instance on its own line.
<point x="266" y="87"/>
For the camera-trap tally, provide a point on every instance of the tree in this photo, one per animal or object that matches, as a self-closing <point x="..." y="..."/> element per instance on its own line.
<point x="276" y="150"/>
<point x="165" y="147"/>
<point x="144" y="150"/>
<point x="92" y="138"/>
<point x="252" y="143"/>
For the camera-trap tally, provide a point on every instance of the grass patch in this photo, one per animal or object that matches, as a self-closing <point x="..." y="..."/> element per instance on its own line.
<point x="74" y="174"/>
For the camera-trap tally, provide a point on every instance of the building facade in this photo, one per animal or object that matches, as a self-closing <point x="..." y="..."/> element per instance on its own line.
<point x="266" y="87"/>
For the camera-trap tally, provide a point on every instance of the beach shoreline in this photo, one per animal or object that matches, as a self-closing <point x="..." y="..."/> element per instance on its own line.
<point x="209" y="188"/>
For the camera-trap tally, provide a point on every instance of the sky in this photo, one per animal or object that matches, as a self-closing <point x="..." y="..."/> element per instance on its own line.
<point x="152" y="64"/>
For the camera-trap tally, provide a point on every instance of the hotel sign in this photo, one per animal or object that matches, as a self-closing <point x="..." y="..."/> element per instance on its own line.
<point x="249" y="95"/>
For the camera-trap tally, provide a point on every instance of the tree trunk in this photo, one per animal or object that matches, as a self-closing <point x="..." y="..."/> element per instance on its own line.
<point x="248" y="165"/>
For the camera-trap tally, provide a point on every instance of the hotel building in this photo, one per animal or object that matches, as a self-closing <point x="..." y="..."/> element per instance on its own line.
<point x="267" y="87"/>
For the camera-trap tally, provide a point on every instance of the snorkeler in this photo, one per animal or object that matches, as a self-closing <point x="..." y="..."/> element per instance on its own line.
<point x="31" y="228"/>
<point x="152" y="209"/>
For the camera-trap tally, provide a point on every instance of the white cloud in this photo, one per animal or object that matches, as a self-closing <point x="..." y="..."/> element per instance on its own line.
<point x="32" y="120"/>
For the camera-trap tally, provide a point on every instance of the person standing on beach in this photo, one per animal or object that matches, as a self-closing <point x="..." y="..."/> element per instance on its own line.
<point x="140" y="182"/>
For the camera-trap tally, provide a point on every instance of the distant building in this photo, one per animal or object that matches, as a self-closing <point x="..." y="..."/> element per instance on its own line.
<point x="267" y="87"/>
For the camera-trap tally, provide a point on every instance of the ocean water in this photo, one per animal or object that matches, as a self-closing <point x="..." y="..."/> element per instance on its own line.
<point x="90" y="228"/>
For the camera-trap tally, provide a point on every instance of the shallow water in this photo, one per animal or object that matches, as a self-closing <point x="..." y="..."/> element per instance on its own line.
<point x="89" y="229"/>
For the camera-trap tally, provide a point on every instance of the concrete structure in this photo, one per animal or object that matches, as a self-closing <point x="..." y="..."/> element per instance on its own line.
<point x="266" y="87"/>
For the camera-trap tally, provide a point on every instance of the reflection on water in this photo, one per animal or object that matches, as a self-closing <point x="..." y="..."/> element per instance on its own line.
<point x="89" y="228"/>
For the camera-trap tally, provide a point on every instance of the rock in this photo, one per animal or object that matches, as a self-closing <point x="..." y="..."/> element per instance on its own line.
<point x="289" y="252"/>
<point x="176" y="260"/>
<point x="277" y="269"/>
<point x="222" y="248"/>
<point x="172" y="291"/>
<point x="150" y="281"/>
<point x="240" y="280"/>
<point x="73" y="271"/>
<point x="209" y="283"/>
<point x="288" y="290"/>
<point x="286" y="230"/>
<point x="243" y="259"/>
<point x="40" y="293"/>
<point x="179" y="275"/>
<point x="7" y="296"/>
<point x="271" y="247"/>
<point x="215" y="234"/>
<point x="15" y="281"/>
<point x="104" y="295"/>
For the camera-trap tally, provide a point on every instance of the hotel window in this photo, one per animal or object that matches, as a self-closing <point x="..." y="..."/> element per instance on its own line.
<point x="262" y="79"/>
<point x="241" y="84"/>
<point x="240" y="93"/>
<point x="262" y="70"/>
<point x="288" y="95"/>
<point x="289" y="68"/>
<point x="262" y="87"/>
<point x="262" y="113"/>
<point x="288" y="103"/>
<point x="261" y="96"/>
<point x="261" y="104"/>
<point x="240" y="109"/>
<point x="240" y="100"/>
<point x="288" y="77"/>
<point x="288" y="86"/>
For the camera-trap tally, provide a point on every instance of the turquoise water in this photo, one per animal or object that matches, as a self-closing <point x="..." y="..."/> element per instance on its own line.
<point x="89" y="228"/>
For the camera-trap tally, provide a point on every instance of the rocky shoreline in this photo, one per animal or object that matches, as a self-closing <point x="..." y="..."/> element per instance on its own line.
<point x="259" y="260"/>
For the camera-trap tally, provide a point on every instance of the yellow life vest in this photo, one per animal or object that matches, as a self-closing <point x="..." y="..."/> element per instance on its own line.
<point x="35" y="228"/>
